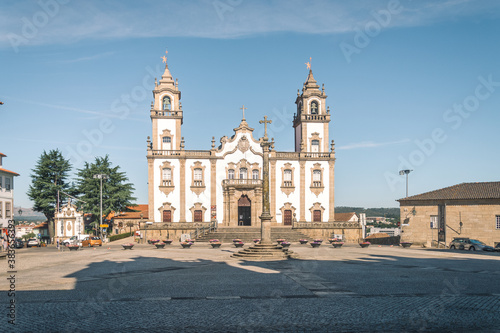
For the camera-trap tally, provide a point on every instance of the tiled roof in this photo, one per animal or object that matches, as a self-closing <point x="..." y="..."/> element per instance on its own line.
<point x="8" y="171"/>
<point x="344" y="216"/>
<point x="3" y="155"/>
<point x="135" y="215"/>
<point x="464" y="191"/>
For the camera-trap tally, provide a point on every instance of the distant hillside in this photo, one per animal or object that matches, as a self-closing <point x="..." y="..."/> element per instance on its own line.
<point x="387" y="212"/>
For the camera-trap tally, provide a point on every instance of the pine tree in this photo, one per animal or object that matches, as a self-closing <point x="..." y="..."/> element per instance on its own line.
<point x="49" y="176"/>
<point x="116" y="192"/>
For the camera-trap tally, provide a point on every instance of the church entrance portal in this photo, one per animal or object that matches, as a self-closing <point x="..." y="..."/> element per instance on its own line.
<point x="244" y="211"/>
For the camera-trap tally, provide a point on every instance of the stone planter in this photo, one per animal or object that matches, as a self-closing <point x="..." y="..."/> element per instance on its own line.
<point x="73" y="248"/>
<point x="215" y="245"/>
<point x="186" y="245"/>
<point x="128" y="247"/>
<point x="279" y="241"/>
<point x="168" y="241"/>
<point x="285" y="245"/>
<point x="159" y="246"/>
<point x="315" y="244"/>
<point x="318" y="241"/>
<point x="364" y="244"/>
<point x="238" y="244"/>
<point x="336" y="244"/>
<point x="406" y="244"/>
<point x="303" y="241"/>
<point x="256" y="241"/>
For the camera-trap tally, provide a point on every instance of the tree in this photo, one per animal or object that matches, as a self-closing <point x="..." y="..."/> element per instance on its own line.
<point x="49" y="176"/>
<point x="116" y="192"/>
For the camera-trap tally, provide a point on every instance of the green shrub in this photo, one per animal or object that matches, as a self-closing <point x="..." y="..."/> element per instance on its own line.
<point x="120" y="236"/>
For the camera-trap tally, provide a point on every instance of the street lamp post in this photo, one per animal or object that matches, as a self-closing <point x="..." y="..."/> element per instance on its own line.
<point x="101" y="176"/>
<point x="405" y="172"/>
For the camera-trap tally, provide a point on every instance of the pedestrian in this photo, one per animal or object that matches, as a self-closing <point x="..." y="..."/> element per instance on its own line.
<point x="58" y="244"/>
<point x="4" y="244"/>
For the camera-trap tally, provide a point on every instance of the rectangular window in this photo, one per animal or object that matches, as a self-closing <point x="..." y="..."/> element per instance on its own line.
<point x="287" y="178"/>
<point x="1" y="182"/>
<point x="198" y="216"/>
<point x="498" y="222"/>
<point x="243" y="173"/>
<point x="434" y="221"/>
<point x="255" y="174"/>
<point x="167" y="177"/>
<point x="7" y="183"/>
<point x="315" y="146"/>
<point x="1" y="208"/>
<point x="7" y="210"/>
<point x="230" y="174"/>
<point x="167" y="139"/>
<point x="316" y="178"/>
<point x="198" y="177"/>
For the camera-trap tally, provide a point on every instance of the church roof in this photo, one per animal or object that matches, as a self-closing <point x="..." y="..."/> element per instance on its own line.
<point x="463" y="191"/>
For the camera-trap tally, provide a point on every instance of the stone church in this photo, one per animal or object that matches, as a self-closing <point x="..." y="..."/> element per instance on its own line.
<point x="224" y="183"/>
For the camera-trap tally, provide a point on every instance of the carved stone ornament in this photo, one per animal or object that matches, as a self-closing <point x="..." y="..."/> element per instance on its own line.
<point x="243" y="144"/>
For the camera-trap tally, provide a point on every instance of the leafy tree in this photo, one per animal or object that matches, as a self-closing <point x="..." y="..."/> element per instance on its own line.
<point x="116" y="192"/>
<point x="49" y="176"/>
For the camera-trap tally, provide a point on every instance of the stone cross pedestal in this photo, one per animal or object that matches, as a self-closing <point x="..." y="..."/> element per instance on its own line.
<point x="266" y="249"/>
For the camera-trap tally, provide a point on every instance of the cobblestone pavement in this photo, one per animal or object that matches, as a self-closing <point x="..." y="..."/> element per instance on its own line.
<point x="387" y="289"/>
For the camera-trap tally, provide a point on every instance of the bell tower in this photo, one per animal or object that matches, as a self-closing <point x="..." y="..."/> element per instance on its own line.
<point x="312" y="117"/>
<point x="166" y="112"/>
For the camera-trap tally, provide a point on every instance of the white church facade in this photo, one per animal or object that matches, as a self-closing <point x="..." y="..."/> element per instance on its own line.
<point x="224" y="183"/>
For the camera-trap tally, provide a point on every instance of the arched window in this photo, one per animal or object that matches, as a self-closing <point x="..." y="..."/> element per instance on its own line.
<point x="166" y="103"/>
<point x="243" y="173"/>
<point x="230" y="174"/>
<point x="314" y="107"/>
<point x="315" y="146"/>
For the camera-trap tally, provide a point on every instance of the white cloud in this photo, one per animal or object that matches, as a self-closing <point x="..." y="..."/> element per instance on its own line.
<point x="371" y="144"/>
<point x="116" y="19"/>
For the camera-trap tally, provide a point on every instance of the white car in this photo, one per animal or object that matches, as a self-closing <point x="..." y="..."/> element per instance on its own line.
<point x="74" y="240"/>
<point x="33" y="242"/>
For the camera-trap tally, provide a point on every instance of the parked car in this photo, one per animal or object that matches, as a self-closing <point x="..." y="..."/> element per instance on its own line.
<point x="497" y="247"/>
<point x="458" y="243"/>
<point x="74" y="239"/>
<point x="470" y="244"/>
<point x="18" y="244"/>
<point x="92" y="241"/>
<point x="33" y="242"/>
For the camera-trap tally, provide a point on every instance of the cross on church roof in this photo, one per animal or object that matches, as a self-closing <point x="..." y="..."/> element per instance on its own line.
<point x="243" y="108"/>
<point x="265" y="122"/>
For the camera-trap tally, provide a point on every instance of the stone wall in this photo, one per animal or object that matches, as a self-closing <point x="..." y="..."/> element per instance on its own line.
<point x="348" y="235"/>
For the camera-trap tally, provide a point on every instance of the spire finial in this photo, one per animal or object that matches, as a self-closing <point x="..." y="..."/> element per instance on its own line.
<point x="332" y="146"/>
<point x="213" y="142"/>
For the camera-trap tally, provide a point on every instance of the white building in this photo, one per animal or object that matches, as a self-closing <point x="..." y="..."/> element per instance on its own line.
<point x="68" y="222"/>
<point x="224" y="183"/>
<point x="6" y="194"/>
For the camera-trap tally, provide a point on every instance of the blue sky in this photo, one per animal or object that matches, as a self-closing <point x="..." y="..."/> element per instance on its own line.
<point x="411" y="84"/>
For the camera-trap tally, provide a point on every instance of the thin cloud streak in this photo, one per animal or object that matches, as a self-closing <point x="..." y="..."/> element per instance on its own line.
<point x="101" y="20"/>
<point x="371" y="144"/>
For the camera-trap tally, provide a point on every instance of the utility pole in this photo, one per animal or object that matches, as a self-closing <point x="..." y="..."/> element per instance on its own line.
<point x="101" y="176"/>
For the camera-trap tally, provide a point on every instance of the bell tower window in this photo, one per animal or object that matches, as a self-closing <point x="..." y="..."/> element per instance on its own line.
<point x="315" y="146"/>
<point x="314" y="107"/>
<point x="167" y="105"/>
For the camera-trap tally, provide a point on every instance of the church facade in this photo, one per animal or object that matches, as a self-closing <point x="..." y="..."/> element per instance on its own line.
<point x="224" y="183"/>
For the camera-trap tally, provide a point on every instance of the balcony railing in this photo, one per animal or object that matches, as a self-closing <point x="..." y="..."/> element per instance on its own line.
<point x="249" y="183"/>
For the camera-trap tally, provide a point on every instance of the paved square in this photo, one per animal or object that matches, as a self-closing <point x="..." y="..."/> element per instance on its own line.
<point x="204" y="290"/>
